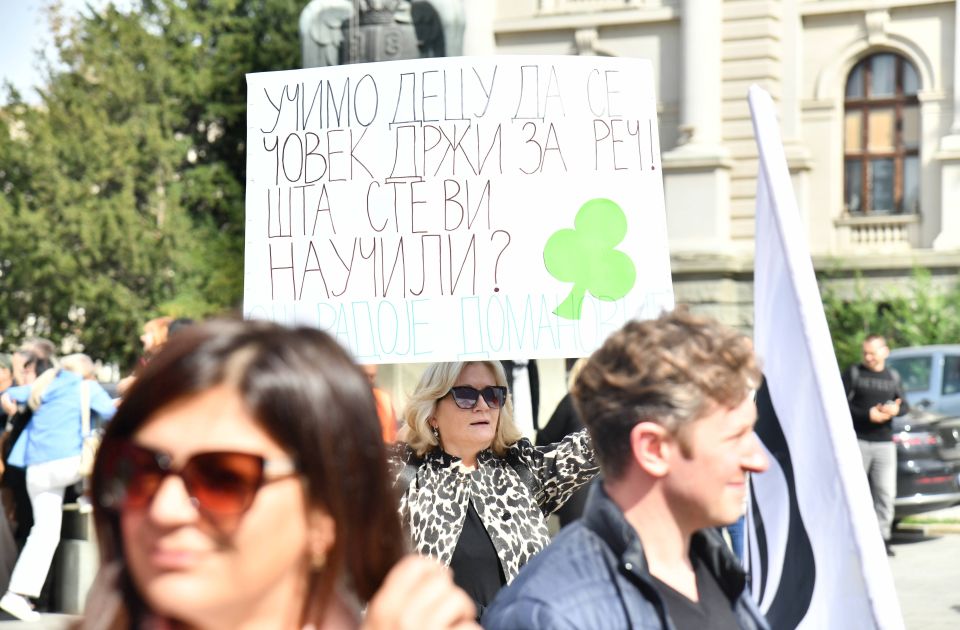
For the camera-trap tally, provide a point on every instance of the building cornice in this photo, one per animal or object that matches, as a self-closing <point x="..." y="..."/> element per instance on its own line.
<point x="567" y="21"/>
<point x="893" y="261"/>
<point x="833" y="7"/>
<point x="740" y="264"/>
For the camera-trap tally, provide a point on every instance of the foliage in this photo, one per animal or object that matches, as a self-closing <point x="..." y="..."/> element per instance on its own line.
<point x="920" y="315"/>
<point x="122" y="193"/>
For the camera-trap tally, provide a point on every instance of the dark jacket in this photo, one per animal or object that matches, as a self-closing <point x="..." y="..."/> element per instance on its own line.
<point x="594" y="575"/>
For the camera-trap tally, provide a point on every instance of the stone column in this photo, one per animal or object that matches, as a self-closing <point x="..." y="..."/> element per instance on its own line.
<point x="955" y="127"/>
<point x="697" y="171"/>
<point x="478" y="38"/>
<point x="797" y="152"/>
<point x="949" y="158"/>
<point x="700" y="25"/>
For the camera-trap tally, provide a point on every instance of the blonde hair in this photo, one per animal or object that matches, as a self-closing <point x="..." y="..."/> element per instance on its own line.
<point x="575" y="370"/>
<point x="78" y="364"/>
<point x="435" y="383"/>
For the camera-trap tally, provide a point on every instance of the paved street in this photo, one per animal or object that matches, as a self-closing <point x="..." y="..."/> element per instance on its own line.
<point x="49" y="622"/>
<point x="927" y="573"/>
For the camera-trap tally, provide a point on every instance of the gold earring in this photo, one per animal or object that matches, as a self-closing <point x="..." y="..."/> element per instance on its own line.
<point x="317" y="560"/>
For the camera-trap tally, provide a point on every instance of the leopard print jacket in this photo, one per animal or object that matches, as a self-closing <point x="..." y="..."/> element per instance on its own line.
<point x="435" y="504"/>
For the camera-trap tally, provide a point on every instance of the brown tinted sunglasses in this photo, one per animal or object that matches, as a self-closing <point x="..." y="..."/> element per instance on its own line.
<point x="221" y="483"/>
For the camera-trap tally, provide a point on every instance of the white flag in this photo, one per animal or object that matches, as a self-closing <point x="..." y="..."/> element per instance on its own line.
<point x="814" y="548"/>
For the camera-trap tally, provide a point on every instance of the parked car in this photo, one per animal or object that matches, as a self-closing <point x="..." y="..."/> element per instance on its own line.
<point x="931" y="376"/>
<point x="928" y="462"/>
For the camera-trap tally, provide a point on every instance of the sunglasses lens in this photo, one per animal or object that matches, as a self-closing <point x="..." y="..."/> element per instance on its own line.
<point x="220" y="483"/>
<point x="494" y="396"/>
<point x="224" y="483"/>
<point x="132" y="476"/>
<point x="465" y="397"/>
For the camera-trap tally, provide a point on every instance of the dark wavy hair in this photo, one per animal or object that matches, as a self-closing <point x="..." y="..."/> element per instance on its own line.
<point x="315" y="402"/>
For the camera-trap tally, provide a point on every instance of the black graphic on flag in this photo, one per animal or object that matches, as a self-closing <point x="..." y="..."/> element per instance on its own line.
<point x="790" y="597"/>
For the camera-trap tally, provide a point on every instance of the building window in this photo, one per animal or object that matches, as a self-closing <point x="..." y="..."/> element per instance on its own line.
<point x="882" y="137"/>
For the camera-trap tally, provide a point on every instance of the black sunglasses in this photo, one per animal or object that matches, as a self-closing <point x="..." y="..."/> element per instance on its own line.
<point x="466" y="397"/>
<point x="220" y="483"/>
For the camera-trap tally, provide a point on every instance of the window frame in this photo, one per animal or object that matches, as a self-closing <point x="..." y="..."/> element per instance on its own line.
<point x="865" y="104"/>
<point x="950" y="369"/>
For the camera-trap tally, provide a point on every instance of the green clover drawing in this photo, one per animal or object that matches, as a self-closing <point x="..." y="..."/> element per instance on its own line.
<point x="586" y="256"/>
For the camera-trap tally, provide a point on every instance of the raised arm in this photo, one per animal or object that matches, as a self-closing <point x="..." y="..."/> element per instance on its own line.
<point x="100" y="401"/>
<point x="560" y="468"/>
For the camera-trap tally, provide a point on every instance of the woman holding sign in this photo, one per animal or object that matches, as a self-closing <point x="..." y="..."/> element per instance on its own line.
<point x="474" y="494"/>
<point x="243" y="484"/>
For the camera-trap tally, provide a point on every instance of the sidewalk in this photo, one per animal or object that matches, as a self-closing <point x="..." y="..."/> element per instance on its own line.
<point x="934" y="523"/>
<point x="50" y="621"/>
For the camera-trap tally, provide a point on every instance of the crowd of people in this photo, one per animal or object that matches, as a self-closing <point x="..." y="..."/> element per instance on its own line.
<point x="251" y="476"/>
<point x="49" y="406"/>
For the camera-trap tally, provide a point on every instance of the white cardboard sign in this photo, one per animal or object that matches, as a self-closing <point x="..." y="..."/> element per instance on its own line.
<point x="456" y="208"/>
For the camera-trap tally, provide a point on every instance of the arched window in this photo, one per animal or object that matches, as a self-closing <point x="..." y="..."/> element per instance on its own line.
<point x="882" y="137"/>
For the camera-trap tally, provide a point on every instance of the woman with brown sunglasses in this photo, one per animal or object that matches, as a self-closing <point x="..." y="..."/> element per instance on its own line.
<point x="243" y="484"/>
<point x="475" y="494"/>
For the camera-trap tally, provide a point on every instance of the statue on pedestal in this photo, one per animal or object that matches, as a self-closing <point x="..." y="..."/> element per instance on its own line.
<point x="334" y="32"/>
<point x="321" y="31"/>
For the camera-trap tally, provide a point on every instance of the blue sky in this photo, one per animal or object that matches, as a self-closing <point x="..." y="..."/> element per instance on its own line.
<point x="23" y="31"/>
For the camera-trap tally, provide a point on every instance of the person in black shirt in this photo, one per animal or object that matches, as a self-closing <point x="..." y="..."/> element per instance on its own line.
<point x="875" y="394"/>
<point x="711" y="610"/>
<point x="563" y="422"/>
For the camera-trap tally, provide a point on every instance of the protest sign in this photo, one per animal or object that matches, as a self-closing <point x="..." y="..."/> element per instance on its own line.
<point x="456" y="208"/>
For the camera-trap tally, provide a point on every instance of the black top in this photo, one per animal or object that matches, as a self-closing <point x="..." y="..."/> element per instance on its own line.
<point x="476" y="567"/>
<point x="564" y="421"/>
<point x="713" y="611"/>
<point x="865" y="389"/>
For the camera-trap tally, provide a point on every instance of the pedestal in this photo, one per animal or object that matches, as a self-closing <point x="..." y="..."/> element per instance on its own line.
<point x="696" y="183"/>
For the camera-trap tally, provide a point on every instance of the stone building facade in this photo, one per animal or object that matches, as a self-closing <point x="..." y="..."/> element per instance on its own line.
<point x="869" y="109"/>
<point x="869" y="102"/>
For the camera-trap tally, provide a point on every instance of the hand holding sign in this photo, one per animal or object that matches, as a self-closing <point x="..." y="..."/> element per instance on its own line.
<point x="586" y="256"/>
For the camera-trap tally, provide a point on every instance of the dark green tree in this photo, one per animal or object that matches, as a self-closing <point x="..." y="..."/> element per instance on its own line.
<point x="122" y="192"/>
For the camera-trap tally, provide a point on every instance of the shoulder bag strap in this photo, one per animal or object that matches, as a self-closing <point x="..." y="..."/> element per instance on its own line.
<point x="85" y="407"/>
<point x="40" y="386"/>
<point x="854" y="381"/>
